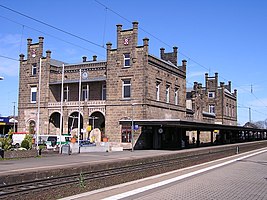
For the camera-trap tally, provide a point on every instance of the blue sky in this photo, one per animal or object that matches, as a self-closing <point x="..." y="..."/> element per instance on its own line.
<point x="226" y="36"/>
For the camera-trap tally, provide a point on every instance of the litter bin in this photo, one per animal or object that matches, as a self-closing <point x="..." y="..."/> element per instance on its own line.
<point x="65" y="149"/>
<point x="2" y="152"/>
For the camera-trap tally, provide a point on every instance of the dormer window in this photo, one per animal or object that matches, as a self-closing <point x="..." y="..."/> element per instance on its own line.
<point x="126" y="60"/>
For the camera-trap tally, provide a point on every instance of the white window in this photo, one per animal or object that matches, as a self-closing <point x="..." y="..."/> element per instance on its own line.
<point x="104" y="93"/>
<point x="176" y="96"/>
<point x="85" y="92"/>
<point x="34" y="69"/>
<point x="212" y="108"/>
<point x="211" y="94"/>
<point x="167" y="94"/>
<point x="157" y="90"/>
<point x="126" y="89"/>
<point x="33" y="94"/>
<point x="66" y="93"/>
<point x="126" y="60"/>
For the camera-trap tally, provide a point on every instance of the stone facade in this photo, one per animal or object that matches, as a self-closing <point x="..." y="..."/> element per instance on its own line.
<point x="216" y="102"/>
<point x="129" y="84"/>
<point x="143" y="73"/>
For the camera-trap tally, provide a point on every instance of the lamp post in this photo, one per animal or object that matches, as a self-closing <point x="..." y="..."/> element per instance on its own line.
<point x="14" y="107"/>
<point x="79" y="116"/>
<point x="38" y="108"/>
<point x="132" y="138"/>
<point x="61" y="107"/>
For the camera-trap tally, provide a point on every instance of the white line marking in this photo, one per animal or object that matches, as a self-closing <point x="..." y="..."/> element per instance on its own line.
<point x="160" y="175"/>
<point x="149" y="187"/>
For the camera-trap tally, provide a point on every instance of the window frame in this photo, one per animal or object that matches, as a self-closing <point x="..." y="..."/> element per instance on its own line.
<point x="104" y="91"/>
<point x="66" y="93"/>
<point x="33" y="91"/>
<point x="211" y="95"/>
<point x="176" y="96"/>
<point x="85" y="92"/>
<point x="34" y="69"/>
<point x="212" y="108"/>
<point x="126" y="85"/>
<point x="158" y="91"/>
<point x="126" y="60"/>
<point x="167" y="93"/>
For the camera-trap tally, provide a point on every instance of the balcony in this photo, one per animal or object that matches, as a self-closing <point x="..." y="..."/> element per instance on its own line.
<point x="76" y="103"/>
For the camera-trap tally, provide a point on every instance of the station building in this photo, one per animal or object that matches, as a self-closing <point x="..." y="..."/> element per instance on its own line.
<point x="130" y="85"/>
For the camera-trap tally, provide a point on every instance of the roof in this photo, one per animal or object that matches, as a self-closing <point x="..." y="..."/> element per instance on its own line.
<point x="189" y="125"/>
<point x="167" y="62"/>
<point x="87" y="62"/>
<point x="57" y="63"/>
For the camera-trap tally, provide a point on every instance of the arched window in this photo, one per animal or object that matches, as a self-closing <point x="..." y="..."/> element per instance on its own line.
<point x="32" y="126"/>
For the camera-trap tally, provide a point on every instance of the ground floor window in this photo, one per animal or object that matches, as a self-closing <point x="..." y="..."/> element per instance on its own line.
<point x="126" y="134"/>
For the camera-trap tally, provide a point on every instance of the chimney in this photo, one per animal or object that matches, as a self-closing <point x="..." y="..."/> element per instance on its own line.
<point x="230" y="86"/>
<point x="21" y="57"/>
<point x="145" y="41"/>
<point x="195" y="85"/>
<point x="119" y="27"/>
<point x="221" y="84"/>
<point x="184" y="63"/>
<point x="29" y="41"/>
<point x="41" y="39"/>
<point x="84" y="58"/>
<point x="94" y="57"/>
<point x="235" y="92"/>
<point x="48" y="54"/>
<point x="162" y="53"/>
<point x="109" y="46"/>
<point x="175" y="57"/>
<point x="135" y="25"/>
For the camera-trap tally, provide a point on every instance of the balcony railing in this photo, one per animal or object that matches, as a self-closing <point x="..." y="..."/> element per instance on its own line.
<point x="76" y="103"/>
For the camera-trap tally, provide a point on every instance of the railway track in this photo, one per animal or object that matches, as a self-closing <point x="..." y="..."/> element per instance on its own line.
<point x="11" y="191"/>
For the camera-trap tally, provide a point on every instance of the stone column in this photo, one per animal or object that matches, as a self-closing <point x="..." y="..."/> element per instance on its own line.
<point x="198" y="141"/>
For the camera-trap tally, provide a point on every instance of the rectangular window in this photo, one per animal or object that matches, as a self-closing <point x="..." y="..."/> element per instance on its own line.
<point x="176" y="96"/>
<point x="104" y="93"/>
<point x="34" y="69"/>
<point x="212" y="108"/>
<point x="126" y="89"/>
<point x="85" y="92"/>
<point x="33" y="94"/>
<point x="233" y="111"/>
<point x="157" y="90"/>
<point x="167" y="94"/>
<point x="211" y="94"/>
<point x="126" y="134"/>
<point x="66" y="93"/>
<point x="126" y="60"/>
